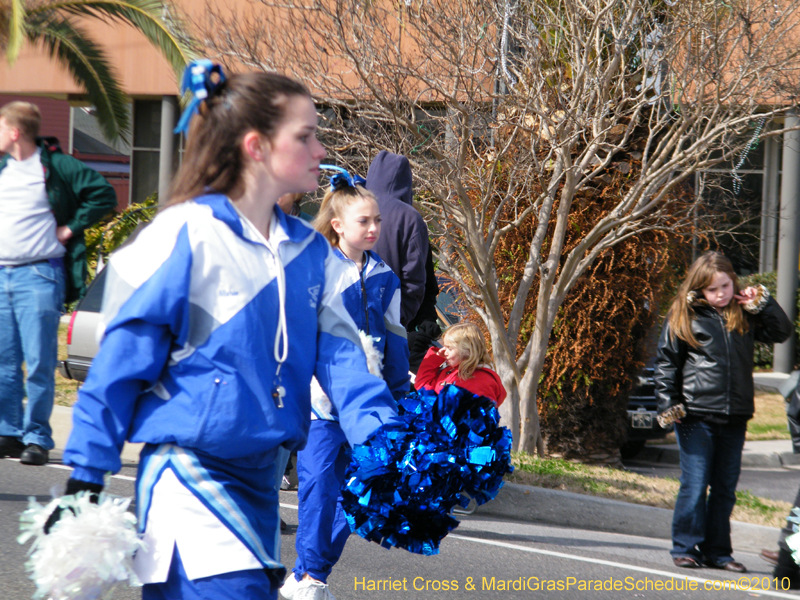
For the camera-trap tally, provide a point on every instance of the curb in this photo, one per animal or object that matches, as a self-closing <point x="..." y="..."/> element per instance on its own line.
<point x="567" y="509"/>
<point x="774" y="382"/>
<point x="671" y="456"/>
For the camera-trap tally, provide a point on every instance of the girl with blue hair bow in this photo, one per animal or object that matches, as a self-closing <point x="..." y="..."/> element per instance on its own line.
<point x="350" y="220"/>
<point x="215" y="320"/>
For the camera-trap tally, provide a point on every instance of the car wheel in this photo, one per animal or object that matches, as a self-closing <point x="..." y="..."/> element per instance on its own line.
<point x="631" y="448"/>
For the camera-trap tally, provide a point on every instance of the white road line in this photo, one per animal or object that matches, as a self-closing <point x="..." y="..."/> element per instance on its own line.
<point x="609" y="563"/>
<point x="62" y="467"/>
<point x="66" y="468"/>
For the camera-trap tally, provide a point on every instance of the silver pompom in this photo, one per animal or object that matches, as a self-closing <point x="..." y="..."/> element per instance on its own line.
<point x="87" y="552"/>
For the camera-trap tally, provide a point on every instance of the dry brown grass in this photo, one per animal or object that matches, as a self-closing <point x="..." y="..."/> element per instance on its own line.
<point x="768" y="422"/>
<point x="626" y="486"/>
<point x="66" y="389"/>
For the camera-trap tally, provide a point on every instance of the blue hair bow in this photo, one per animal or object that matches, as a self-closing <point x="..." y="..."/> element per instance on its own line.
<point x="197" y="79"/>
<point x="342" y="177"/>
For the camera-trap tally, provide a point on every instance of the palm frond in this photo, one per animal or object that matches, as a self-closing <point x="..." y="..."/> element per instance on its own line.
<point x="89" y="67"/>
<point x="16" y="30"/>
<point x="148" y="16"/>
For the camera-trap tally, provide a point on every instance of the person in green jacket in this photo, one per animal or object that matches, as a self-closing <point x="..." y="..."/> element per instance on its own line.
<point x="47" y="200"/>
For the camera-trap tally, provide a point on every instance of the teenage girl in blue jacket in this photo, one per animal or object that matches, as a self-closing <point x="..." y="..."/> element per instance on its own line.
<point x="349" y="218"/>
<point x="216" y="318"/>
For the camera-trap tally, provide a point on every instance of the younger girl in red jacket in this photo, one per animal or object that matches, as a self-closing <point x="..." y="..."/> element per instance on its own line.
<point x="460" y="361"/>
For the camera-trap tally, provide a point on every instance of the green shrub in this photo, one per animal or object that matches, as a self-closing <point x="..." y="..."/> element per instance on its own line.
<point x="108" y="235"/>
<point x="599" y="343"/>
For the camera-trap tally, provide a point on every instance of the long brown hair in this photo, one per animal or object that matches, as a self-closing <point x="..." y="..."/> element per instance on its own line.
<point x="690" y="294"/>
<point x="213" y="159"/>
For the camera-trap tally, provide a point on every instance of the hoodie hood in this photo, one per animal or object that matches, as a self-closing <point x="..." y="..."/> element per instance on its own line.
<point x="389" y="176"/>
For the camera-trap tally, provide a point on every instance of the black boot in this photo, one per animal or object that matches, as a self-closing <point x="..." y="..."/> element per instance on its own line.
<point x="787" y="572"/>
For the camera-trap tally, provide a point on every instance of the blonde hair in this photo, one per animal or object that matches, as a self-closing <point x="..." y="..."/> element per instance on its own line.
<point x="690" y="294"/>
<point x="332" y="207"/>
<point x="24" y="116"/>
<point x="467" y="340"/>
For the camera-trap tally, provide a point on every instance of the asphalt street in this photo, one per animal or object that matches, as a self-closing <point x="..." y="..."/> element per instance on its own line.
<point x="483" y="558"/>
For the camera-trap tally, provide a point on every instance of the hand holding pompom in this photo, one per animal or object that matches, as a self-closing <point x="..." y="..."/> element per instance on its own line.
<point x="85" y="551"/>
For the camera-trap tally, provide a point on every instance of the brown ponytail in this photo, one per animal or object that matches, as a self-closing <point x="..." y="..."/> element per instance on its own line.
<point x="213" y="159"/>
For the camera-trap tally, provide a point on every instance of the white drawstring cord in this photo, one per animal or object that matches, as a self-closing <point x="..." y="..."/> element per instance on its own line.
<point x="281" y="333"/>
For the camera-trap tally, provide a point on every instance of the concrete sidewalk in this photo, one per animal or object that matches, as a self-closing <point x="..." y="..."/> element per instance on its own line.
<point x="766" y="454"/>
<point x="771" y="382"/>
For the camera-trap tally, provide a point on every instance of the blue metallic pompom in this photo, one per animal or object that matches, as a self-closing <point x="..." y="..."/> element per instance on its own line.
<point x="403" y="482"/>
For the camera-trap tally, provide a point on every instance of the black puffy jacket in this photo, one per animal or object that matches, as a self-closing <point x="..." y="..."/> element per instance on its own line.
<point x="717" y="377"/>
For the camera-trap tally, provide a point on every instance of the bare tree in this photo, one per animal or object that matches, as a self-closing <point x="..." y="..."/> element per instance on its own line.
<point x="508" y="109"/>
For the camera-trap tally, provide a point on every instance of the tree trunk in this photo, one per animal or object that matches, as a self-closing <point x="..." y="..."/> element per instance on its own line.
<point x="509" y="410"/>
<point x="530" y="434"/>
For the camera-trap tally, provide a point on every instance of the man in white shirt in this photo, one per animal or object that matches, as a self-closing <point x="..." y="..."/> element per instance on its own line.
<point x="46" y="200"/>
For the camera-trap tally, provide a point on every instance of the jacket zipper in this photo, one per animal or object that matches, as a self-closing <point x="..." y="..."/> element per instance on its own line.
<point x="725" y="335"/>
<point x="362" y="276"/>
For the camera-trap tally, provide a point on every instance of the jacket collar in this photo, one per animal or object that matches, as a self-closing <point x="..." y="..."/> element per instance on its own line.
<point x="284" y="227"/>
<point x="703" y="308"/>
<point x="372" y="261"/>
<point x="48" y="146"/>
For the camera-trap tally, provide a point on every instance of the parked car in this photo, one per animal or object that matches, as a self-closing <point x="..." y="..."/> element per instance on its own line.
<point x="642" y="412"/>
<point x="82" y="333"/>
<point x="450" y="308"/>
<point x="82" y="338"/>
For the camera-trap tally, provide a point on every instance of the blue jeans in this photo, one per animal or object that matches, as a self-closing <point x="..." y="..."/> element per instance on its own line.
<point x="31" y="299"/>
<point x="711" y="459"/>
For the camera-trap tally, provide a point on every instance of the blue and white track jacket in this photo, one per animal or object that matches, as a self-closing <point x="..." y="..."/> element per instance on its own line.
<point x="188" y="352"/>
<point x="372" y="297"/>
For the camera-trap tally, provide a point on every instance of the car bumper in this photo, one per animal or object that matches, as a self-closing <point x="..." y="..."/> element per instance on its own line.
<point x="74" y="368"/>
<point x="642" y="425"/>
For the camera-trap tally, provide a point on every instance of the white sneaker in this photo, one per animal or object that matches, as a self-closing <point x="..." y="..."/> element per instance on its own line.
<point x="289" y="586"/>
<point x="471" y="508"/>
<point x="285" y="483"/>
<point x="309" y="589"/>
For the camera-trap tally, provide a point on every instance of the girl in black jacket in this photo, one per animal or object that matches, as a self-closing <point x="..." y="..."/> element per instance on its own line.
<point x="704" y="377"/>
